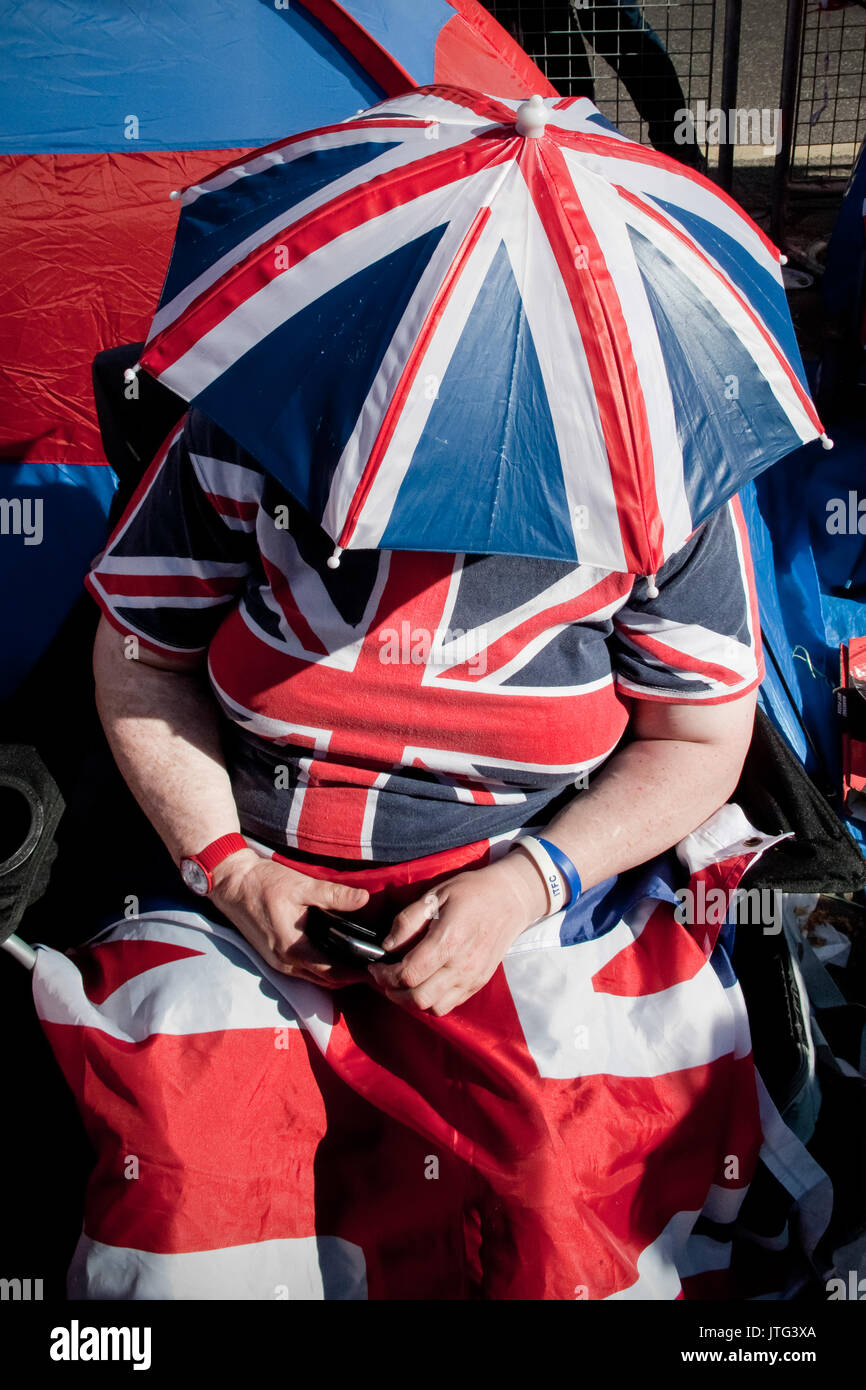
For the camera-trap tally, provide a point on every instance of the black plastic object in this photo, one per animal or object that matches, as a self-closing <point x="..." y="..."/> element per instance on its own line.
<point x="30" y="809"/>
<point x="134" y="418"/>
<point x="778" y="795"/>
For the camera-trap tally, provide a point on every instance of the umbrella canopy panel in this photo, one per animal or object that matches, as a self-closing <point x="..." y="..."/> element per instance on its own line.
<point x="444" y="329"/>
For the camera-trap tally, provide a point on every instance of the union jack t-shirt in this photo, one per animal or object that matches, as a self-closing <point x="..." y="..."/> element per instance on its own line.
<point x="408" y="702"/>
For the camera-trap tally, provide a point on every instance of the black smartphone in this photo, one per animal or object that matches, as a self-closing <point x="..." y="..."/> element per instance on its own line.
<point x="342" y="938"/>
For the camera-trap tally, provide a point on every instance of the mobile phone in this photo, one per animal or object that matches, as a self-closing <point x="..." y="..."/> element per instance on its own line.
<point x="342" y="938"/>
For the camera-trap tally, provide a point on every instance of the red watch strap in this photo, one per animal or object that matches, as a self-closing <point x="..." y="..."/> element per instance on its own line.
<point x="218" y="850"/>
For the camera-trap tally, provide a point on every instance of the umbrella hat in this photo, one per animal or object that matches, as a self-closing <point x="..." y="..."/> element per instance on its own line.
<point x="459" y="323"/>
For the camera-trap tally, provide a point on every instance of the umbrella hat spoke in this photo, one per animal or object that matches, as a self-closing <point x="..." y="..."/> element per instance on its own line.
<point x="595" y="302"/>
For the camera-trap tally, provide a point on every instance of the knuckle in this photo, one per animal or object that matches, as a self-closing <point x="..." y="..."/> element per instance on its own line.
<point x="409" y="977"/>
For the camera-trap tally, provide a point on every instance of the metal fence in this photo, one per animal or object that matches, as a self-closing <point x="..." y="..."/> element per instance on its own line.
<point x="640" y="64"/>
<point x="830" y="114"/>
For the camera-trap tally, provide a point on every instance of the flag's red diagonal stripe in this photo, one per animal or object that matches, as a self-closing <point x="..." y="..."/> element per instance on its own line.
<point x="601" y="322"/>
<point x="410" y="371"/>
<point x="677" y="659"/>
<point x="337" y="127"/>
<point x="573" y="610"/>
<point x="167" y="585"/>
<point x="610" y="148"/>
<point x="482" y="105"/>
<point x="350" y="209"/>
<point x="658" y="217"/>
<point x="231" y="506"/>
<point x="107" y="965"/>
<point x="282" y="592"/>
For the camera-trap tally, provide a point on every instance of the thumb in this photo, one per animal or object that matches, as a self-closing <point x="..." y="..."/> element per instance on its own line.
<point x="339" y="896"/>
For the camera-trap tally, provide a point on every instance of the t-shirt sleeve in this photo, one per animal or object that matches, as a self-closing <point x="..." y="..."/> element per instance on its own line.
<point x="181" y="553"/>
<point x="699" y="641"/>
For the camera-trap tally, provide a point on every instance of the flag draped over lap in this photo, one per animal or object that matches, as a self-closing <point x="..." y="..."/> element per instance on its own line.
<point x="567" y="1133"/>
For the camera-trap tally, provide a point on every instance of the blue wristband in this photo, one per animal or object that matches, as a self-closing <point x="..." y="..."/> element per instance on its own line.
<point x="566" y="868"/>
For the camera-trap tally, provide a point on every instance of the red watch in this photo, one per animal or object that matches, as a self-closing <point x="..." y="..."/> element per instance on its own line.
<point x="197" y="870"/>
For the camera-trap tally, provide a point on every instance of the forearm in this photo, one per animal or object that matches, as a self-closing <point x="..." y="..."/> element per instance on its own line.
<point x="163" y="729"/>
<point x="649" y="795"/>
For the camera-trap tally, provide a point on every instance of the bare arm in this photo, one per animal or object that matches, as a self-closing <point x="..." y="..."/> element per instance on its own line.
<point x="162" y="724"/>
<point x="682" y="766"/>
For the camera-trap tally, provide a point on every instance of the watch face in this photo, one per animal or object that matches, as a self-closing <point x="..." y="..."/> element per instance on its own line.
<point x="194" y="876"/>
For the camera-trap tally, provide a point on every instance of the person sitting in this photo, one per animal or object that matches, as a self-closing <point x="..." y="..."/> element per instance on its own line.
<point x="489" y="758"/>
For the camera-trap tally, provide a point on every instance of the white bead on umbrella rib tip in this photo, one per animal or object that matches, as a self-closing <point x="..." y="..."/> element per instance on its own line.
<point x="783" y="260"/>
<point x="131" y="372"/>
<point x="176" y="193"/>
<point x="826" y="441"/>
<point x="532" y="116"/>
<point x="651" y="588"/>
<point x="333" y="561"/>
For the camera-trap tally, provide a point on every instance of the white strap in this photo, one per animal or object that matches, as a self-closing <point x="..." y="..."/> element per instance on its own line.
<point x="557" y="888"/>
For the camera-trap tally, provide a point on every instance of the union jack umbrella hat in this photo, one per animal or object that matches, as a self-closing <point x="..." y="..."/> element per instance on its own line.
<point x="460" y="323"/>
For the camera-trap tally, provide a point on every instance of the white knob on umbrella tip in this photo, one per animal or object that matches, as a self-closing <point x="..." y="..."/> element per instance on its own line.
<point x="826" y="441"/>
<point x="176" y="193"/>
<point x="131" y="372"/>
<point x="532" y="116"/>
<point x="783" y="259"/>
<point x="333" y="561"/>
<point x="651" y="586"/>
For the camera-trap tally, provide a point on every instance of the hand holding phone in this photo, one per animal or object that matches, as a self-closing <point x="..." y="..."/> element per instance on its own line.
<point x="342" y="938"/>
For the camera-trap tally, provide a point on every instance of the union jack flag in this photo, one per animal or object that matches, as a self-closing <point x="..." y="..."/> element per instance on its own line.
<point x="585" y="1127"/>
<point x="443" y="336"/>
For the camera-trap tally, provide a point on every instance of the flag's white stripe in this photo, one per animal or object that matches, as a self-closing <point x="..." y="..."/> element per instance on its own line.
<point x="430" y="371"/>
<point x="573" y="583"/>
<point x="690" y="641"/>
<point x="172" y="564"/>
<point x="294" y="289"/>
<point x="276" y="730"/>
<point x="120" y="600"/>
<point x="682" y="190"/>
<point x="297" y="802"/>
<point x="403" y="153"/>
<point x="225" y="478"/>
<point x="571" y="393"/>
<point x="448" y="760"/>
<point x="303" y="1268"/>
<point x="348" y="133"/>
<point x="341" y="640"/>
<point x="718" y="293"/>
<point x="493" y="684"/>
<point x="672" y="1030"/>
<point x="370" y="804"/>
<point x="571" y="1029"/>
<point x="603" y="209"/>
<point x="218" y="989"/>
<point x="657" y="1276"/>
<point x="723" y="1204"/>
<point x="794" y="1167"/>
<point x="288" y="643"/>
